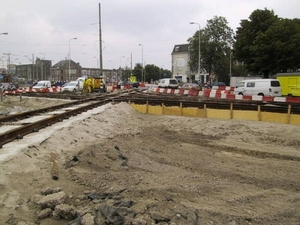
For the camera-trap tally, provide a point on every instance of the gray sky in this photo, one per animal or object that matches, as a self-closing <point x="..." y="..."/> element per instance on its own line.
<point x="44" y="28"/>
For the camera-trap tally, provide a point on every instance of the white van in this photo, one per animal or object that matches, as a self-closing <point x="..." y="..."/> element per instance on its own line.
<point x="42" y="84"/>
<point x="262" y="87"/>
<point x="168" y="83"/>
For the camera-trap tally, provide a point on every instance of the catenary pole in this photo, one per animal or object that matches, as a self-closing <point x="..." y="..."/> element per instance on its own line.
<point x="100" y="42"/>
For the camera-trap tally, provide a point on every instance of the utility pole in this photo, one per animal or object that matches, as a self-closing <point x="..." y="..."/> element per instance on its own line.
<point x="230" y="61"/>
<point x="32" y="68"/>
<point x="199" y="49"/>
<point x="33" y="75"/>
<point x="8" y="60"/>
<point x="44" y="75"/>
<point x="69" y="77"/>
<point x="100" y="42"/>
<point x="131" y="64"/>
<point x="142" y="63"/>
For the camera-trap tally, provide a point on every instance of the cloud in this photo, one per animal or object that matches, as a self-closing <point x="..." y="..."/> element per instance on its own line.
<point x="36" y="27"/>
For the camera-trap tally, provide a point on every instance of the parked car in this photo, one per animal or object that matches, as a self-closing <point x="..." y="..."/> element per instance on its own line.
<point x="135" y="84"/>
<point x="132" y="84"/>
<point x="65" y="84"/>
<point x="168" y="83"/>
<point x="72" y="86"/>
<point x="215" y="84"/>
<point x="59" y="83"/>
<point x="193" y="86"/>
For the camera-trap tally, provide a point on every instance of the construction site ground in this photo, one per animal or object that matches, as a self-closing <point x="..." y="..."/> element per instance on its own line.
<point x="169" y="170"/>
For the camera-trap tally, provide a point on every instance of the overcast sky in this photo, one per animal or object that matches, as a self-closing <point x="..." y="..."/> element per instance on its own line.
<point x="44" y="28"/>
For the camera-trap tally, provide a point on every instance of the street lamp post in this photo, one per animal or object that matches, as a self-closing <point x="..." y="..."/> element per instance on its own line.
<point x="2" y="60"/>
<point x="120" y="69"/>
<point x="11" y="67"/>
<point x="230" y="62"/>
<point x="43" y="67"/>
<point x="199" y="56"/>
<point x="8" y="60"/>
<point x="97" y="65"/>
<point x="142" y="62"/>
<point x="161" y="70"/>
<point x="70" y="57"/>
<point x="12" y="61"/>
<point x="32" y="72"/>
<point x="112" y="71"/>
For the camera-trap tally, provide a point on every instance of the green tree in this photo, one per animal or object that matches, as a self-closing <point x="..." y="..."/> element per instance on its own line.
<point x="239" y="70"/>
<point x="152" y="72"/>
<point x="216" y="41"/>
<point x="166" y="73"/>
<point x="250" y="38"/>
<point x="126" y="73"/>
<point x="137" y="71"/>
<point x="278" y="48"/>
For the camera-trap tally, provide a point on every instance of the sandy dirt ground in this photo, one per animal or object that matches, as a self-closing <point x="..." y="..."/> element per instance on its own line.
<point x="122" y="167"/>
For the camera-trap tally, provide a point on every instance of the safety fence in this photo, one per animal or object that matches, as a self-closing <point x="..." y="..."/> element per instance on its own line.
<point x="223" y="93"/>
<point x="215" y="92"/>
<point x="30" y="89"/>
<point x="110" y="88"/>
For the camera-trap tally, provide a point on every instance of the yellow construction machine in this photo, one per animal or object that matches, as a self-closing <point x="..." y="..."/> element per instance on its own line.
<point x="95" y="84"/>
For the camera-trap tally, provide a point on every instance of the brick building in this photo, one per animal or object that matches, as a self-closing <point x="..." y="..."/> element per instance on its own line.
<point x="61" y="71"/>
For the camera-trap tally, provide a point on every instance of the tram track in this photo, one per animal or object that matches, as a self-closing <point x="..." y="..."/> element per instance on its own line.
<point x="196" y="102"/>
<point x="20" y="125"/>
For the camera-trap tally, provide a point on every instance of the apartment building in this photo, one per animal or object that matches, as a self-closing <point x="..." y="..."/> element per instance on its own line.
<point x="180" y="62"/>
<point x="181" y="68"/>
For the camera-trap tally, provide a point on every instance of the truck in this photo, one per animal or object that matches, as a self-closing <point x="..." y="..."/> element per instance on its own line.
<point x="97" y="83"/>
<point x="290" y="83"/>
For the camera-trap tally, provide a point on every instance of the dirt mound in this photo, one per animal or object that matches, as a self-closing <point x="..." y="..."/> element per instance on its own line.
<point x="122" y="167"/>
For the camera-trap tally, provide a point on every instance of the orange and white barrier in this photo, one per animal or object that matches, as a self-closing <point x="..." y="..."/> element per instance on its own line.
<point x="219" y="93"/>
<point x="223" y="93"/>
<point x="30" y="89"/>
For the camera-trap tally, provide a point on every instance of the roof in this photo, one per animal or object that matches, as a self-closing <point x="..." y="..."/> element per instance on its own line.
<point x="64" y="63"/>
<point x="181" y="48"/>
<point x="258" y="80"/>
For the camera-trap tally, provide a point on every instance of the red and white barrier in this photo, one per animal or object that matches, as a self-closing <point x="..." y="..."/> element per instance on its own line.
<point x="215" y="92"/>
<point x="223" y="93"/>
<point x="30" y="89"/>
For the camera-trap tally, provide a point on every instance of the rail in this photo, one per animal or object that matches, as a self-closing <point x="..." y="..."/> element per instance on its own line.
<point x="145" y="101"/>
<point x="27" y="128"/>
